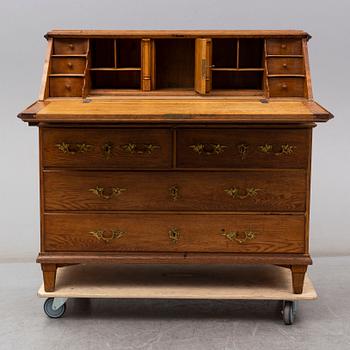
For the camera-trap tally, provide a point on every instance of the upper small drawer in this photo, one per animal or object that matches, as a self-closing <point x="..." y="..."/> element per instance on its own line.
<point x="70" y="46"/>
<point x="106" y="148"/>
<point x="68" y="65"/>
<point x="243" y="148"/>
<point x="284" y="47"/>
<point x="285" y="65"/>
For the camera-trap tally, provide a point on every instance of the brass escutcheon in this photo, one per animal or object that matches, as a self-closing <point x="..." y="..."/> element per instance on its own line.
<point x="107" y="150"/>
<point x="174" y="192"/>
<point x="174" y="234"/>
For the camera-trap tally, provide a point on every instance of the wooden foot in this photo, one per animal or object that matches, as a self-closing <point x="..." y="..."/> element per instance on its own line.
<point x="298" y="274"/>
<point x="49" y="275"/>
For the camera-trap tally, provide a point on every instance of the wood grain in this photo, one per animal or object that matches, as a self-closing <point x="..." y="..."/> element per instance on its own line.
<point x="277" y="191"/>
<point x="118" y="158"/>
<point x="197" y="233"/>
<point x="233" y="139"/>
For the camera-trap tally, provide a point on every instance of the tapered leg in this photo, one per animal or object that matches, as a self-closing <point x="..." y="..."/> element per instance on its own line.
<point x="298" y="275"/>
<point x="49" y="275"/>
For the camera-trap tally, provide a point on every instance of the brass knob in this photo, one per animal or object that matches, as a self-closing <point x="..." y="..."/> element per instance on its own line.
<point x="68" y="87"/>
<point x="71" y="46"/>
<point x="283" y="46"/>
<point x="284" y="86"/>
<point x="285" y="65"/>
<point x="70" y="64"/>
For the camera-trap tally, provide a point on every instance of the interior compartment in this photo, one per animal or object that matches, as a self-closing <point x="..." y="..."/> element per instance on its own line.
<point x="128" y="53"/>
<point x="116" y="79"/>
<point x="237" y="80"/>
<point x="102" y="53"/>
<point x="175" y="63"/>
<point x="224" y="53"/>
<point x="251" y="53"/>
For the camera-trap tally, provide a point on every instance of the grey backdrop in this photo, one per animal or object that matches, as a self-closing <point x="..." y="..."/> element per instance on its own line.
<point x="23" y="24"/>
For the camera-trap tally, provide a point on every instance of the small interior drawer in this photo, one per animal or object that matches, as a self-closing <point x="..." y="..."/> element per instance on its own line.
<point x="70" y="46"/>
<point x="284" y="47"/>
<point x="68" y="65"/>
<point x="66" y="86"/>
<point x="285" y="65"/>
<point x="287" y="87"/>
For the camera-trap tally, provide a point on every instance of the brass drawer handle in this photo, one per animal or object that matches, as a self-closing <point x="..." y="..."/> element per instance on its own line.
<point x="284" y="150"/>
<point x="174" y="234"/>
<point x="208" y="148"/>
<point x="100" y="192"/>
<point x="238" y="236"/>
<point x="236" y="193"/>
<point x="74" y="148"/>
<point x="100" y="235"/>
<point x="145" y="148"/>
<point x="174" y="192"/>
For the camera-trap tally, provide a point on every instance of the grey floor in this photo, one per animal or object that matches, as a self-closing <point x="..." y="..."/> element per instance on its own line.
<point x="167" y="325"/>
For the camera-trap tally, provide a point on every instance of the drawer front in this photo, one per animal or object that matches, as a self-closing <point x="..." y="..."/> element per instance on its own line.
<point x="287" y="87"/>
<point x="68" y="65"/>
<point x="107" y="148"/>
<point x="242" y="148"/>
<point x="214" y="191"/>
<point x="66" y="86"/>
<point x="284" y="47"/>
<point x="285" y="65"/>
<point x="174" y="233"/>
<point x="70" y="46"/>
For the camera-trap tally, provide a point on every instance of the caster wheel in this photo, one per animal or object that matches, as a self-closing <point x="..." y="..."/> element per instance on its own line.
<point x="288" y="312"/>
<point x="50" y="311"/>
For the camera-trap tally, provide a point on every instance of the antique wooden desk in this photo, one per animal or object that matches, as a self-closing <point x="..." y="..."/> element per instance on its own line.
<point x="175" y="147"/>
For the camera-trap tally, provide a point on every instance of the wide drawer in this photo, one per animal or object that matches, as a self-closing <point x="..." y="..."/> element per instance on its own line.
<point x="242" y="148"/>
<point x="194" y="191"/>
<point x="284" y="47"/>
<point x="174" y="233"/>
<point x="106" y="148"/>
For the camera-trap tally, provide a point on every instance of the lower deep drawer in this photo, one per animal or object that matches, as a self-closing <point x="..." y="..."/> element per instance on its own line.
<point x="174" y="233"/>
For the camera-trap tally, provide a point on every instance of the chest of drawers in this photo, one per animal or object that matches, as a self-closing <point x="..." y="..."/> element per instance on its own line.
<point x="175" y="147"/>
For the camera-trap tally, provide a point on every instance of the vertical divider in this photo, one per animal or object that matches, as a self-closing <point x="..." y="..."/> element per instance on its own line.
<point x="45" y="84"/>
<point x="146" y="65"/>
<point x="87" y="76"/>
<point x="115" y="53"/>
<point x="308" y="85"/>
<point x="237" y="61"/>
<point x="266" y="81"/>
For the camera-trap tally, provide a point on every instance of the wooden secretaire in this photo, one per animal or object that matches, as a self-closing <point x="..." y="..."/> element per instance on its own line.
<point x="175" y="147"/>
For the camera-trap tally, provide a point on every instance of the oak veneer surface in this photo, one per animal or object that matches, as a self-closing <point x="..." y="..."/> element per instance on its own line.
<point x="175" y="147"/>
<point x="196" y="233"/>
<point x="175" y="191"/>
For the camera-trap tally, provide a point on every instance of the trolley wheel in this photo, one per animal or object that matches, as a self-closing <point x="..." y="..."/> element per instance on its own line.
<point x="288" y="312"/>
<point x="51" y="312"/>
